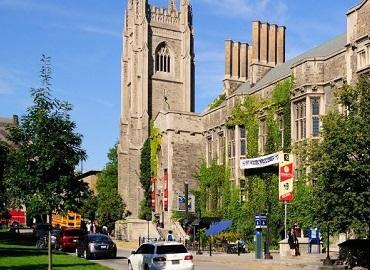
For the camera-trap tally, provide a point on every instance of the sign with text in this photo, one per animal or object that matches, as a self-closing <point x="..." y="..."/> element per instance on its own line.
<point x="261" y="221"/>
<point x="252" y="163"/>
<point x="181" y="203"/>
<point x="286" y="177"/>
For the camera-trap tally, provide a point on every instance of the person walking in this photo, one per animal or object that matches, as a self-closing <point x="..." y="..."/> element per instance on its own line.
<point x="169" y="236"/>
<point x="291" y="242"/>
<point x="296" y="243"/>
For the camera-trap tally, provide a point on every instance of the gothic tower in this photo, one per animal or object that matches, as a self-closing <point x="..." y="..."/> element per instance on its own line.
<point x="157" y="74"/>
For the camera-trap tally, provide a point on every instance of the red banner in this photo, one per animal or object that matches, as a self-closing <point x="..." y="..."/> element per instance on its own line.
<point x="165" y="192"/>
<point x="286" y="177"/>
<point x="152" y="193"/>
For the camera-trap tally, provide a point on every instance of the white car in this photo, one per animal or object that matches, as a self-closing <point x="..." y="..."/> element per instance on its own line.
<point x="161" y="255"/>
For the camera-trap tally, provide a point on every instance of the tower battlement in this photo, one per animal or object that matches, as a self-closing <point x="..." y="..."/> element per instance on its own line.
<point x="164" y="15"/>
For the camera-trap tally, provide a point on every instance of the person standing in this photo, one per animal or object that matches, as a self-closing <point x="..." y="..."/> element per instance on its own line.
<point x="169" y="236"/>
<point x="296" y="243"/>
<point x="291" y="242"/>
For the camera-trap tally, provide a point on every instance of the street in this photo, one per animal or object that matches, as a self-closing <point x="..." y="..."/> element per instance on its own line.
<point x="121" y="263"/>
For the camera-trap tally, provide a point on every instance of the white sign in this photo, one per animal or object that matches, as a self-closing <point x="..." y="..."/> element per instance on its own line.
<point x="259" y="162"/>
<point x="181" y="203"/>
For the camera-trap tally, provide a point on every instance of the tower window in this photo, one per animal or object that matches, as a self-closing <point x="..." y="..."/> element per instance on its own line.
<point x="163" y="59"/>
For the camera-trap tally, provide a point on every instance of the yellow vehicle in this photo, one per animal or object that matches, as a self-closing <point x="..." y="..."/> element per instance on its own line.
<point x="70" y="220"/>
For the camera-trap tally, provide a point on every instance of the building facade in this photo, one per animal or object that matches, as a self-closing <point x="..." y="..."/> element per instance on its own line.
<point x="250" y="69"/>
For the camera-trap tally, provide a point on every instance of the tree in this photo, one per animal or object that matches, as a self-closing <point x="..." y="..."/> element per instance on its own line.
<point x="41" y="166"/>
<point x="110" y="205"/>
<point x="89" y="208"/>
<point x="342" y="162"/>
<point x="47" y="150"/>
<point x="3" y="194"/>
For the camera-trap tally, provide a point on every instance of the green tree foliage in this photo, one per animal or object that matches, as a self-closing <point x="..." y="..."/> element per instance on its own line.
<point x="89" y="207"/>
<point x="301" y="210"/>
<point x="3" y="194"/>
<point x="41" y="166"/>
<point x="217" y="102"/>
<point x="342" y="162"/>
<point x="110" y="205"/>
<point x="145" y="180"/>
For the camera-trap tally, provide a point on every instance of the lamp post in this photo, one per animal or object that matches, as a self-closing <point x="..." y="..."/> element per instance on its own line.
<point x="327" y="260"/>
<point x="186" y="188"/>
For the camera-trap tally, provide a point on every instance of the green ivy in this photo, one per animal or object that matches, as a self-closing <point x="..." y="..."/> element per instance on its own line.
<point x="217" y="102"/>
<point x="155" y="144"/>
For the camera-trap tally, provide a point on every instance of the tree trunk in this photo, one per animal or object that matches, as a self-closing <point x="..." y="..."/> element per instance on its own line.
<point x="50" y="255"/>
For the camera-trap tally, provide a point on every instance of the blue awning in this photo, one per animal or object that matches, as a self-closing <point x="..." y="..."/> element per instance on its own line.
<point x="219" y="227"/>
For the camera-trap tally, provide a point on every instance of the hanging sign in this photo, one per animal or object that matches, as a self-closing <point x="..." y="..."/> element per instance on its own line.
<point x="259" y="162"/>
<point x="286" y="177"/>
<point x="152" y="193"/>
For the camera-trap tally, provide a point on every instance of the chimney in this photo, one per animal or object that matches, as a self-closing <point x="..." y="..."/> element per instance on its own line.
<point x="235" y="60"/>
<point x="256" y="41"/>
<point x="244" y="61"/>
<point x="281" y="44"/>
<point x="228" y="57"/>
<point x="264" y="43"/>
<point x="272" y="44"/>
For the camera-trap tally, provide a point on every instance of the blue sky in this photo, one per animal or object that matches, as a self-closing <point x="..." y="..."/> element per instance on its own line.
<point x="84" y="40"/>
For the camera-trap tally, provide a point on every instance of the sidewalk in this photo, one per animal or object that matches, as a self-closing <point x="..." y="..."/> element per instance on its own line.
<point x="248" y="261"/>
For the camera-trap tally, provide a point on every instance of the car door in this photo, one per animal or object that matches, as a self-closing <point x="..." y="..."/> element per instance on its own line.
<point x="147" y="255"/>
<point x="137" y="258"/>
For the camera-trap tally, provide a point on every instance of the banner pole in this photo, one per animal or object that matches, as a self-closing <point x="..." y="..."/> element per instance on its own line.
<point x="285" y="218"/>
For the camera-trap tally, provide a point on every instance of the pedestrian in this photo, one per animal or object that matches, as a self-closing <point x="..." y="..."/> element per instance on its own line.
<point x="88" y="227"/>
<point x="296" y="243"/>
<point x="169" y="236"/>
<point x="105" y="230"/>
<point x="291" y="243"/>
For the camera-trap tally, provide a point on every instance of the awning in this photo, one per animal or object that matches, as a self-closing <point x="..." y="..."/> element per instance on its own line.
<point x="219" y="227"/>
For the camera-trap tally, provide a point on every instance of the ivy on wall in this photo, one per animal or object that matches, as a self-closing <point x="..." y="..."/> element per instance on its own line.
<point x="217" y="196"/>
<point x="148" y="169"/>
<point x="155" y="144"/>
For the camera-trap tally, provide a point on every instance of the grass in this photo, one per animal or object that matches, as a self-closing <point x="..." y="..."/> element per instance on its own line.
<point x="18" y="252"/>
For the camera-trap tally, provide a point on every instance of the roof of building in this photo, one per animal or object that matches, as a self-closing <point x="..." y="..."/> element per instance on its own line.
<point x="281" y="71"/>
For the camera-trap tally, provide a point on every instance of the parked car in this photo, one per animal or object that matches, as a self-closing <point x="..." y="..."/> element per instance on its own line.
<point x="161" y="255"/>
<point x="96" y="245"/>
<point x="69" y="238"/>
<point x="40" y="230"/>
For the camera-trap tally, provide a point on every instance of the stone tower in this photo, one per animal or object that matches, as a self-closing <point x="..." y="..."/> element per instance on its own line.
<point x="157" y="74"/>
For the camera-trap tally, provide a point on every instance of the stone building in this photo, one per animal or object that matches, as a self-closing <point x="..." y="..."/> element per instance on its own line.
<point x="250" y="69"/>
<point x="6" y="122"/>
<point x="157" y="74"/>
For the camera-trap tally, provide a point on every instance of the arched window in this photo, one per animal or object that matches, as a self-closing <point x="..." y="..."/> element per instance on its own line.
<point x="163" y="59"/>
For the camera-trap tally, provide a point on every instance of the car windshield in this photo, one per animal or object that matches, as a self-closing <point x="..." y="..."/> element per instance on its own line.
<point x="98" y="238"/>
<point x="72" y="232"/>
<point x="171" y="249"/>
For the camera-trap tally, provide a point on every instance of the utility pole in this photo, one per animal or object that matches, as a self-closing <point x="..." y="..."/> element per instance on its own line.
<point x="186" y="198"/>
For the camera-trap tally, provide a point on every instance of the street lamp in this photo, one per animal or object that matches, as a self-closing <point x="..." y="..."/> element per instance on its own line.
<point x="327" y="260"/>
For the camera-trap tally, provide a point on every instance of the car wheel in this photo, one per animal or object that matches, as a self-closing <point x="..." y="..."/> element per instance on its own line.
<point x="130" y="266"/>
<point x="146" y="267"/>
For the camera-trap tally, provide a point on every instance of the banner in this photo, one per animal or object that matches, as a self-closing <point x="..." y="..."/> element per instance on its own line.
<point x="286" y="177"/>
<point x="165" y="192"/>
<point x="259" y="162"/>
